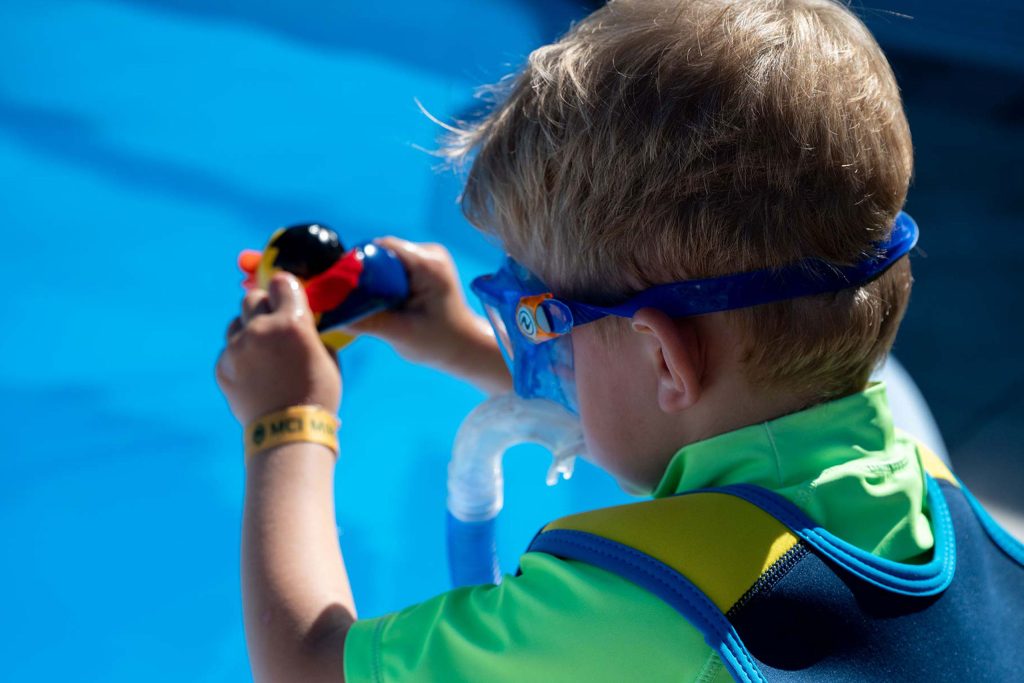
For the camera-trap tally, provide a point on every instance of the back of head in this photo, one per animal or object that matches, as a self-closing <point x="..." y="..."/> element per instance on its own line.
<point x="662" y="140"/>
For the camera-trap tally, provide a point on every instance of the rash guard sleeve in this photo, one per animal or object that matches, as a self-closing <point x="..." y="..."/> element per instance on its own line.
<point x="557" y="621"/>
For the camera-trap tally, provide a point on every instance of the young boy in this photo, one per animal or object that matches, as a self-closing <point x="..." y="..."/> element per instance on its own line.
<point x="658" y="142"/>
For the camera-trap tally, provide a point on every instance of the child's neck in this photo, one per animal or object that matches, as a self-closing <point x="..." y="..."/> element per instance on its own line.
<point x="724" y="406"/>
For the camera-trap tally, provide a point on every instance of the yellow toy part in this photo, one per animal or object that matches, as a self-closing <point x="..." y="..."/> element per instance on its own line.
<point x="336" y="339"/>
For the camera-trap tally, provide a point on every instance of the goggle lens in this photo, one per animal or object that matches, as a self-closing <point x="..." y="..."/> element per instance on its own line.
<point x="541" y="317"/>
<point x="530" y="326"/>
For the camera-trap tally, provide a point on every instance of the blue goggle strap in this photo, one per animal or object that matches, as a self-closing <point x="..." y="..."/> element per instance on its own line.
<point x="743" y="290"/>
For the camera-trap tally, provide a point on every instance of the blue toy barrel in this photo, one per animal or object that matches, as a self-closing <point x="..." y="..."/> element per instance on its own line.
<point x="383" y="284"/>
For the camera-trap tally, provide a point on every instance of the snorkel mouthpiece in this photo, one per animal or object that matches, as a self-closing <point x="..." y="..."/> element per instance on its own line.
<point x="476" y="483"/>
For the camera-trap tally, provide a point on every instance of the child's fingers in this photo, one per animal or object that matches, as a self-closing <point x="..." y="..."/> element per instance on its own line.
<point x="286" y="295"/>
<point x="411" y="254"/>
<point x="254" y="303"/>
<point x="414" y="255"/>
<point x="234" y="328"/>
<point x="396" y="244"/>
<point x="385" y="324"/>
<point x="429" y="266"/>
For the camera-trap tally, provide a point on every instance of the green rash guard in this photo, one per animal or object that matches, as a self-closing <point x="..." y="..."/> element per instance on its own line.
<point x="842" y="463"/>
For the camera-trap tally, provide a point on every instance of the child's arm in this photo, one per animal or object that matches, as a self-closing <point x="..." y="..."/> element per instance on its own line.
<point x="435" y="327"/>
<point x="298" y="606"/>
<point x="297" y="601"/>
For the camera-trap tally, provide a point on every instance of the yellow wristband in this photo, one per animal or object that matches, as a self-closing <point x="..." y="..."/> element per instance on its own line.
<point x="298" y="423"/>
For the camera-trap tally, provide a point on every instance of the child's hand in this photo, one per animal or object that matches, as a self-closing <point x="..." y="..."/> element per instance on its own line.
<point x="436" y="327"/>
<point x="274" y="357"/>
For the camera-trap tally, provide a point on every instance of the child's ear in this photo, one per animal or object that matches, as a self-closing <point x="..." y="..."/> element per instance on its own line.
<point x="677" y="357"/>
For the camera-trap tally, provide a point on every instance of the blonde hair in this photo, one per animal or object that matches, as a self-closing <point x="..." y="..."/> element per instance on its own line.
<point x="662" y="140"/>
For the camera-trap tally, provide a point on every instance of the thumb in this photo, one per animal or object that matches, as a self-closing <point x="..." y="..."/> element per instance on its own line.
<point x="380" y="324"/>
<point x="287" y="296"/>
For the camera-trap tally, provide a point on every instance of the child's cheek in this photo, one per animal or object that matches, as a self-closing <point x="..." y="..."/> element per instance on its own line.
<point x="611" y="402"/>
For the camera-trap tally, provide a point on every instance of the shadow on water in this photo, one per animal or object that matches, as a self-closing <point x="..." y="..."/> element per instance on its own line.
<point x="427" y="35"/>
<point x="75" y="140"/>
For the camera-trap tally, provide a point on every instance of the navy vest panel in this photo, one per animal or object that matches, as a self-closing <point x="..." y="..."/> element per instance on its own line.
<point x="815" y="621"/>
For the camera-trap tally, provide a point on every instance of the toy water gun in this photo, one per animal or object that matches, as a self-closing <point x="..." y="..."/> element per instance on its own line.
<point x="342" y="286"/>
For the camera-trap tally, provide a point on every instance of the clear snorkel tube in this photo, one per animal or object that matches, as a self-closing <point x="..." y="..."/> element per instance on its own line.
<point x="476" y="483"/>
<point x="542" y="410"/>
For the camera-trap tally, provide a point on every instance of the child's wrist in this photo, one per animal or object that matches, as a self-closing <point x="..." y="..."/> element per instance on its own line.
<point x="477" y="357"/>
<point x="301" y="423"/>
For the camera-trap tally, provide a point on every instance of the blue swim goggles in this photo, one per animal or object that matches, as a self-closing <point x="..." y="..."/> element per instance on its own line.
<point x="532" y="324"/>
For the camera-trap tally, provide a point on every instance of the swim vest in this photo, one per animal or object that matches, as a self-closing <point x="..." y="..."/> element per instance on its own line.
<point x="780" y="598"/>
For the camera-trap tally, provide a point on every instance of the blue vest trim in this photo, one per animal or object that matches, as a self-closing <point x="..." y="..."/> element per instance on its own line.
<point x="931" y="578"/>
<point x="804" y="619"/>
<point x="661" y="580"/>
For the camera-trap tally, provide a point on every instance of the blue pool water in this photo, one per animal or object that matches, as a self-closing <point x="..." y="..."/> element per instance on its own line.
<point x="142" y="145"/>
